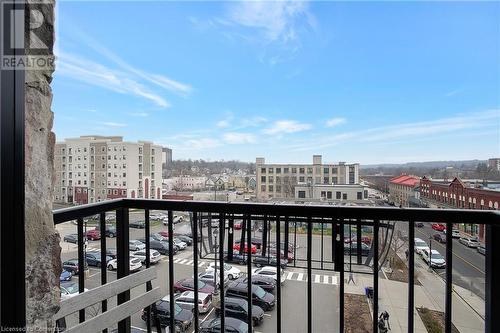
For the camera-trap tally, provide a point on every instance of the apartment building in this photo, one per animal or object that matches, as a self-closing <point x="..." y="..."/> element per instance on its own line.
<point x="494" y="163"/>
<point x="280" y="180"/>
<point x="95" y="168"/>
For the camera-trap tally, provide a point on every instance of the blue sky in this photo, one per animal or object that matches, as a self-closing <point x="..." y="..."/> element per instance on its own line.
<point x="368" y="82"/>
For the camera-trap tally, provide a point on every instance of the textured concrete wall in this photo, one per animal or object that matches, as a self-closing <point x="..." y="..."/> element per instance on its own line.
<point x="43" y="264"/>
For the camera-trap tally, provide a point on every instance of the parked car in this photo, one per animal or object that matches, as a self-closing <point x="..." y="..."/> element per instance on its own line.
<point x="71" y="265"/>
<point x="441" y="238"/>
<point x="187" y="284"/>
<point x="438" y="226"/>
<point x="94" y="259"/>
<point x="260" y="261"/>
<point x="352" y="248"/>
<point x="257" y="242"/>
<point x="186" y="239"/>
<point x="154" y="256"/>
<point x="245" y="250"/>
<point x="159" y="237"/>
<point x="111" y="253"/>
<point x="110" y="230"/>
<point x="481" y="249"/>
<point x="230" y="271"/>
<point x="92" y="234"/>
<point x="259" y="296"/>
<point x="71" y="238"/>
<point x="419" y="224"/>
<point x="420" y="245"/>
<point x="235" y="307"/>
<point x="137" y="224"/>
<point x="434" y="257"/>
<point x="183" y="318"/>
<point x="233" y="325"/>
<point x="469" y="241"/>
<point x="208" y="277"/>
<point x="180" y="244"/>
<point x="186" y="301"/>
<point x="136" y="245"/>
<point x="269" y="271"/>
<point x="454" y="233"/>
<point x="134" y="264"/>
<point x="265" y="282"/>
<point x="69" y="289"/>
<point x="163" y="233"/>
<point x="291" y="246"/>
<point x="238" y="225"/>
<point x="161" y="247"/>
<point x="288" y="256"/>
<point x="65" y="275"/>
<point x="240" y="259"/>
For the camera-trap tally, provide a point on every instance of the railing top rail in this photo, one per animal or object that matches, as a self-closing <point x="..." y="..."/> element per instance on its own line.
<point x="325" y="211"/>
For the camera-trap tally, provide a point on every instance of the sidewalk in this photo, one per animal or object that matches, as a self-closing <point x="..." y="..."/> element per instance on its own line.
<point x="393" y="298"/>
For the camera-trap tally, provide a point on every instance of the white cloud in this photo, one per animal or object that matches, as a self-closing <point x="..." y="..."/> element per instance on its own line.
<point x="287" y="126"/>
<point x="235" y="138"/>
<point x="276" y="20"/>
<point x="139" y="114"/>
<point x="99" y="75"/>
<point x="335" y="122"/>
<point x="223" y="123"/>
<point x="112" y="124"/>
<point x="202" y="143"/>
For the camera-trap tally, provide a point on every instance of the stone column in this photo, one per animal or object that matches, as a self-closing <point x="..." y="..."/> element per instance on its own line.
<point x="43" y="263"/>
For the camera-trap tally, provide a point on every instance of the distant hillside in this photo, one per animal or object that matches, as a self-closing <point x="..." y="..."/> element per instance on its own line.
<point x="472" y="164"/>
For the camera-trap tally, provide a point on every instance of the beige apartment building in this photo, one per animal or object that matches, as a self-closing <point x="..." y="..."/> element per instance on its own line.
<point x="95" y="168"/>
<point x="280" y="180"/>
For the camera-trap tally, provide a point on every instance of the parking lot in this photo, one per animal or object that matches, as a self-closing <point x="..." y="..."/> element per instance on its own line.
<point x="294" y="295"/>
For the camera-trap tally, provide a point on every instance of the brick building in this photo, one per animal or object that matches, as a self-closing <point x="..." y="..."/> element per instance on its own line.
<point x="457" y="194"/>
<point x="402" y="188"/>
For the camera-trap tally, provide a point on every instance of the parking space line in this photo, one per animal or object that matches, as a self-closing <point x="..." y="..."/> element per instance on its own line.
<point x="334" y="280"/>
<point x="190" y="262"/>
<point x="300" y="276"/>
<point x="201" y="264"/>
<point x="317" y="278"/>
<point x="289" y="275"/>
<point x="178" y="260"/>
<point x="183" y="261"/>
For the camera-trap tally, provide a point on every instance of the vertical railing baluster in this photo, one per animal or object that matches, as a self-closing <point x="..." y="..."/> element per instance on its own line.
<point x="358" y="242"/>
<point x="171" y="269"/>
<point x="195" y="270"/>
<point x="249" y="272"/>
<point x="375" y="275"/>
<point x="222" y="232"/>
<point x="123" y="260"/>
<point x="278" y="271"/>
<point x="81" y="264"/>
<point x="322" y="235"/>
<point x="264" y="237"/>
<point x="295" y="245"/>
<point x="492" y="290"/>
<point x="148" y="262"/>
<point x="449" y="277"/>
<point x="230" y="237"/>
<point x="339" y="250"/>
<point x="411" y="275"/>
<point x="102" y="228"/>
<point x="309" y="275"/>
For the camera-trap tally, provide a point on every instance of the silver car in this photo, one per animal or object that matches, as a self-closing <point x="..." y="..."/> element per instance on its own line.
<point x="469" y="241"/>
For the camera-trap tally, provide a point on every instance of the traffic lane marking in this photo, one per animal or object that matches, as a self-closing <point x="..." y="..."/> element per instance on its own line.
<point x="458" y="256"/>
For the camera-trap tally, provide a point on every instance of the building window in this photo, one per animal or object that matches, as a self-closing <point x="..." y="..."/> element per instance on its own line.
<point x="360" y="195"/>
<point x="326" y="170"/>
<point x="325" y="180"/>
<point x="335" y="170"/>
<point x="271" y="188"/>
<point x="301" y="179"/>
<point x="302" y="194"/>
<point x="302" y="170"/>
<point x="263" y="179"/>
<point x="344" y="196"/>
<point x="271" y="179"/>
<point x="338" y="195"/>
<point x="263" y="188"/>
<point x="334" y="180"/>
<point x="323" y="194"/>
<point x="271" y="170"/>
<point x="309" y="170"/>
<point x="278" y="170"/>
<point x="294" y="170"/>
<point x="286" y="170"/>
<point x="329" y="194"/>
<point x="278" y="188"/>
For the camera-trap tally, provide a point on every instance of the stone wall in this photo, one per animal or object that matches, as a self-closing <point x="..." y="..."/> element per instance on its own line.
<point x="43" y="264"/>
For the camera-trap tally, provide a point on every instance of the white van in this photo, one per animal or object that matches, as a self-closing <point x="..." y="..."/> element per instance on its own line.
<point x="186" y="301"/>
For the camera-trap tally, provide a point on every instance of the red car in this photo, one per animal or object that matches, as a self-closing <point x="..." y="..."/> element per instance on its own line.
<point x="188" y="285"/>
<point x="164" y="233"/>
<point x="236" y="247"/>
<point x="438" y="226"/>
<point x="93" y="234"/>
<point x="289" y="257"/>
<point x="238" y="225"/>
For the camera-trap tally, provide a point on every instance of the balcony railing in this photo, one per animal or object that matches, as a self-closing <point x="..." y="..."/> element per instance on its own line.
<point x="285" y="218"/>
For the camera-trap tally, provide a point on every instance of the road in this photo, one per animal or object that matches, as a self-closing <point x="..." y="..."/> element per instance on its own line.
<point x="468" y="265"/>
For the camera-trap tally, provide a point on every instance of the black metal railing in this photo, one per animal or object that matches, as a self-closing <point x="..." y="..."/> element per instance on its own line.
<point x="334" y="218"/>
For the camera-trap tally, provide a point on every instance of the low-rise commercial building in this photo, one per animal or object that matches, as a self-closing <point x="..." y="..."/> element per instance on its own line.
<point x="280" y="180"/>
<point x="402" y="188"/>
<point x="331" y="193"/>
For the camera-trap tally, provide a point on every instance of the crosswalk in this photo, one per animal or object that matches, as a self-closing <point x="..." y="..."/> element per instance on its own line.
<point x="289" y="275"/>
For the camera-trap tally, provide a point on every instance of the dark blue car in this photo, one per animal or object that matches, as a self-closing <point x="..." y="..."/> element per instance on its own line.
<point x="65" y="276"/>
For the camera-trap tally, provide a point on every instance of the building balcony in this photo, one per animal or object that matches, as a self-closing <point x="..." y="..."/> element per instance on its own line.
<point x="326" y="249"/>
